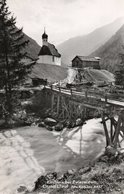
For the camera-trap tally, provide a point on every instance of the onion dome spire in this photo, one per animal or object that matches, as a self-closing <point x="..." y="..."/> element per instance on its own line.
<point x="44" y="35"/>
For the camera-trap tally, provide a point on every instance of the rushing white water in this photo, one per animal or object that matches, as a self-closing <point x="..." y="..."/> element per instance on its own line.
<point x="17" y="163"/>
<point x="87" y="140"/>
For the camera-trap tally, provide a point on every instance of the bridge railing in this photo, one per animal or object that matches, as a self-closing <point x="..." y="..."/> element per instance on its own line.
<point x="91" y="93"/>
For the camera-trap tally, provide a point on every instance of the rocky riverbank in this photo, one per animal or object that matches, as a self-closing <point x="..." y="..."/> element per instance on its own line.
<point x="106" y="175"/>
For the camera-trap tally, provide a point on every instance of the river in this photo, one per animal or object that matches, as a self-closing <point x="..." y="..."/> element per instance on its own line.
<point x="28" y="152"/>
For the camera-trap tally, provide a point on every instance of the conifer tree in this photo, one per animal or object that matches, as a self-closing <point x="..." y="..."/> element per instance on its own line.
<point x="119" y="74"/>
<point x="12" y="50"/>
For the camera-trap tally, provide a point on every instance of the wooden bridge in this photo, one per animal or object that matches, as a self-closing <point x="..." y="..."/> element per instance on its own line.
<point x="71" y="104"/>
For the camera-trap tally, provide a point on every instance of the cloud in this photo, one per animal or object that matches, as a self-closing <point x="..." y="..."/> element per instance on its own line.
<point x="68" y="1"/>
<point x="64" y="18"/>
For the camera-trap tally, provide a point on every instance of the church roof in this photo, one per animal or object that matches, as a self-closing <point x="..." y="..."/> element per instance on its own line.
<point x="49" y="50"/>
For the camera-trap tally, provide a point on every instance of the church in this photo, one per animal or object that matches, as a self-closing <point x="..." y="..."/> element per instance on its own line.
<point x="48" y="53"/>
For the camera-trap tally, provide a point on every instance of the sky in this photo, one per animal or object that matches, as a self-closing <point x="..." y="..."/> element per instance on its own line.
<point x="64" y="19"/>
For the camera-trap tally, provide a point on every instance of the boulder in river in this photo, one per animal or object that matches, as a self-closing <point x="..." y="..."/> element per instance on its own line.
<point x="111" y="151"/>
<point x="69" y="124"/>
<point x="50" y="122"/>
<point x="59" y="127"/>
<point x="51" y="176"/>
<point x="22" y="189"/>
<point x="49" y="128"/>
<point x="40" y="182"/>
<point x="78" y="122"/>
<point x="71" y="171"/>
<point x="42" y="124"/>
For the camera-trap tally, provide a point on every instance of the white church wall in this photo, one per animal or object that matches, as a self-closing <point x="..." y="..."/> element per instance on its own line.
<point x="57" y="60"/>
<point x="47" y="59"/>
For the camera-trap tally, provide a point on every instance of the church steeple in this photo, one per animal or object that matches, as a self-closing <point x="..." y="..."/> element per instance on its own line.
<point x="44" y="38"/>
<point x="48" y="53"/>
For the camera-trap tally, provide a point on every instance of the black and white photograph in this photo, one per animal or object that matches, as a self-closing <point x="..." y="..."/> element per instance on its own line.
<point x="61" y="96"/>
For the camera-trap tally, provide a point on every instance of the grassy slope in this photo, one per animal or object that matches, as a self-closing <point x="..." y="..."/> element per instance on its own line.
<point x="50" y="72"/>
<point x="56" y="73"/>
<point x="102" y="75"/>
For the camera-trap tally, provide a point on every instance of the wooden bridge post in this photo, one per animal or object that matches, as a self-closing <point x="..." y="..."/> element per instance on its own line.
<point x="86" y="94"/>
<point x="58" y="101"/>
<point x="111" y="130"/>
<point x="59" y="89"/>
<point x="81" y="138"/>
<point x="105" y="98"/>
<point x="52" y="101"/>
<point x="51" y="87"/>
<point x="108" y="142"/>
<point x="84" y="112"/>
<point x="118" y="128"/>
<point x="71" y="91"/>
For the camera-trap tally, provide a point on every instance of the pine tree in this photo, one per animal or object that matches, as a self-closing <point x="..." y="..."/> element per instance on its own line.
<point x="119" y="74"/>
<point x="12" y="50"/>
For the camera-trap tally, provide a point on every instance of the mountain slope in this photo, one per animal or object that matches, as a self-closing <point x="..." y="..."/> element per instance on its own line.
<point x="33" y="48"/>
<point x="85" y="45"/>
<point x="110" y="51"/>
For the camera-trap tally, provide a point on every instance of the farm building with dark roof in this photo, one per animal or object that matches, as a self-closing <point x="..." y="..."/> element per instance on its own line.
<point x="85" y="61"/>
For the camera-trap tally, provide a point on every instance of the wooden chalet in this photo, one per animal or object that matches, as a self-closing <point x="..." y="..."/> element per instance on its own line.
<point x="85" y="61"/>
